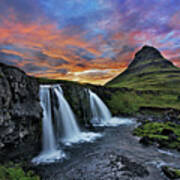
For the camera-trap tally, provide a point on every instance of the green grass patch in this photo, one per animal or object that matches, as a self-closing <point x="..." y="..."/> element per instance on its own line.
<point x="130" y="102"/>
<point x="123" y="103"/>
<point x="15" y="172"/>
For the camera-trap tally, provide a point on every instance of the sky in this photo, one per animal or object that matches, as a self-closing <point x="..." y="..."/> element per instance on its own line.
<point x="90" y="41"/>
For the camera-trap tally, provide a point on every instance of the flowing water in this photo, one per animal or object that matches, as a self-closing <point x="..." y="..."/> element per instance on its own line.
<point x="49" y="149"/>
<point x="100" y="112"/>
<point x="101" y="116"/>
<point x="72" y="133"/>
<point x="61" y="114"/>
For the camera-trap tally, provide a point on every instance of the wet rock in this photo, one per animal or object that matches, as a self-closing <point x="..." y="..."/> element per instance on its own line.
<point x="78" y="98"/>
<point x="122" y="166"/>
<point x="133" y="168"/>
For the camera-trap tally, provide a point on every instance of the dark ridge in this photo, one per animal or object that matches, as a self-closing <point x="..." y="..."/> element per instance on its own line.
<point x="5" y="66"/>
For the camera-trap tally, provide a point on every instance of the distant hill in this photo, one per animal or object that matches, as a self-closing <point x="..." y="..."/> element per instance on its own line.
<point x="148" y="71"/>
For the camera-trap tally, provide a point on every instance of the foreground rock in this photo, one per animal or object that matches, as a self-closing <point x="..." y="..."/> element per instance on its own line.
<point x="20" y="114"/>
<point x="172" y="173"/>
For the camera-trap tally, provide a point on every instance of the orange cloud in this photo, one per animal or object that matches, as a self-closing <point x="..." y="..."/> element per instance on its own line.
<point x="50" y="49"/>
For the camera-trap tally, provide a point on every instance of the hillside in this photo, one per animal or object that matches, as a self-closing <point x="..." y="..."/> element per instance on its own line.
<point x="152" y="83"/>
<point x="148" y="71"/>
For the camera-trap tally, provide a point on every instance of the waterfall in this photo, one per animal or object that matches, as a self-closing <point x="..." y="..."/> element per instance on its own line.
<point x="48" y="133"/>
<point x="49" y="150"/>
<point x="70" y="127"/>
<point x="101" y="116"/>
<point x="71" y="131"/>
<point x="100" y="112"/>
<point x="56" y="109"/>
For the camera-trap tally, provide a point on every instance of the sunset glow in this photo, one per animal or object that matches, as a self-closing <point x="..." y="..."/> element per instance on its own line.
<point x="85" y="40"/>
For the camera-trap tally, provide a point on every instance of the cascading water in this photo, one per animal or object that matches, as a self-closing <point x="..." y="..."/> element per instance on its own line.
<point x="70" y="127"/>
<point x="101" y="116"/>
<point x="100" y="112"/>
<point x="48" y="134"/>
<point x="55" y="107"/>
<point x="49" y="151"/>
<point x="72" y="133"/>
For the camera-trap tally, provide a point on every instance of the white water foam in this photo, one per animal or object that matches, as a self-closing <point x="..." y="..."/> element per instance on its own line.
<point x="49" y="157"/>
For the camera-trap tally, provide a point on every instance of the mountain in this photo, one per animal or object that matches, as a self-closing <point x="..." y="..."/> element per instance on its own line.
<point x="151" y="84"/>
<point x="149" y="70"/>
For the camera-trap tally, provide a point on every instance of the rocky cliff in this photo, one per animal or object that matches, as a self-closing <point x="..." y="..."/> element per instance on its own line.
<point x="20" y="114"/>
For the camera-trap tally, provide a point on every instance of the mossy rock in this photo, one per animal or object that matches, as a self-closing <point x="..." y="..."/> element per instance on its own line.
<point x="164" y="134"/>
<point x="172" y="173"/>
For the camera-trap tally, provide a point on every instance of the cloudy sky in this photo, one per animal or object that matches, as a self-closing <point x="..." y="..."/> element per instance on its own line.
<point x="85" y="40"/>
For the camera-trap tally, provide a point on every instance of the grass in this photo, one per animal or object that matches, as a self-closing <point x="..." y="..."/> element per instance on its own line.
<point x="155" y="131"/>
<point x="15" y="172"/>
<point x="131" y="102"/>
<point x="123" y="103"/>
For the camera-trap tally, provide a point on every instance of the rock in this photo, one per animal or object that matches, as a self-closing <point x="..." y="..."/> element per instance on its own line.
<point x="78" y="98"/>
<point x="133" y="168"/>
<point x="170" y="133"/>
<point x="145" y="141"/>
<point x="172" y="173"/>
<point x="20" y="113"/>
<point x="167" y="132"/>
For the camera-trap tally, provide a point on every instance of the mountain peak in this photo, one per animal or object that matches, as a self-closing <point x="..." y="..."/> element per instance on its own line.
<point x="146" y="53"/>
